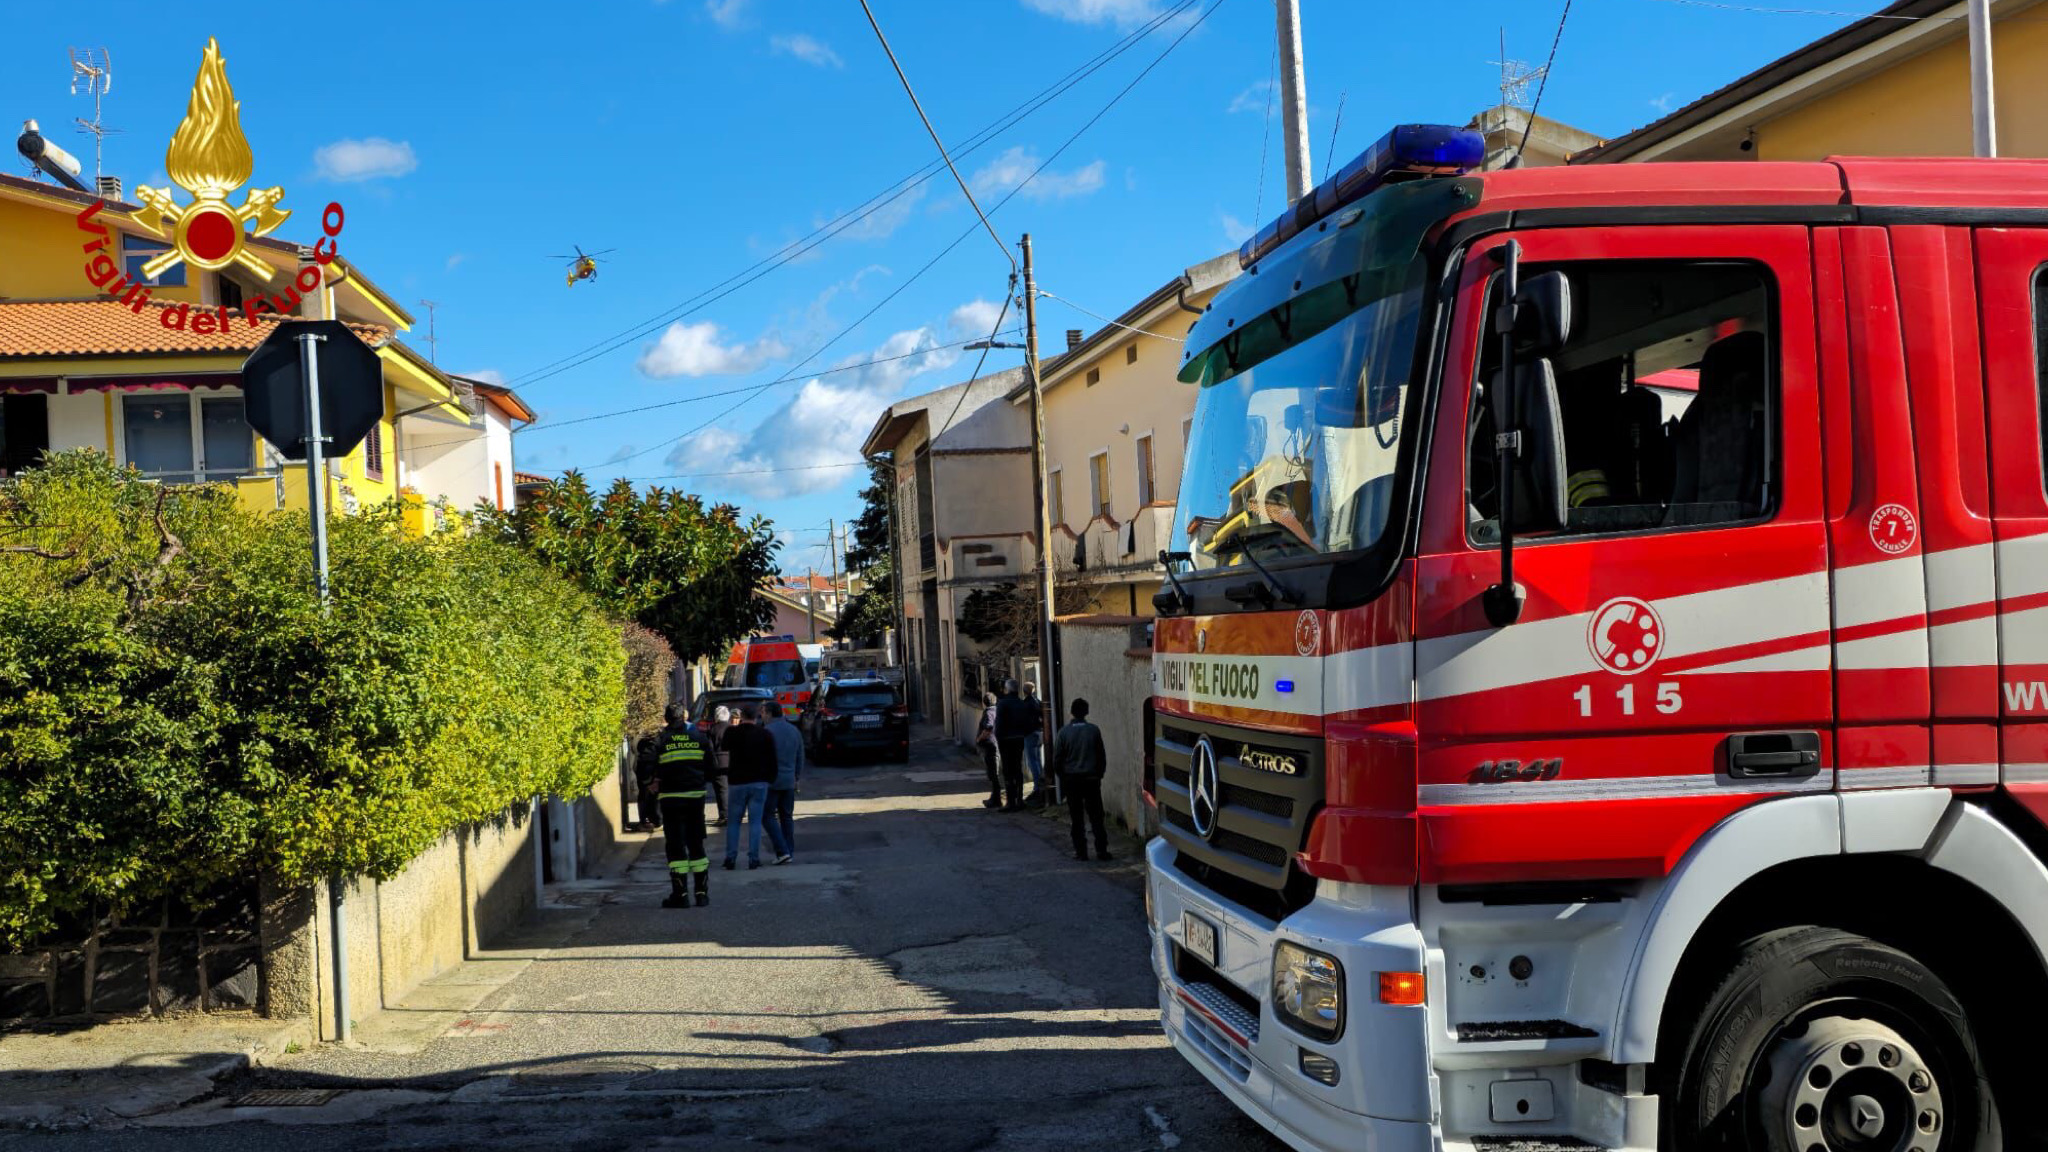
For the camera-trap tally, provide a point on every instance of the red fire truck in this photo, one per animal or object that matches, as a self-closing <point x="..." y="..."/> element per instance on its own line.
<point x="1601" y="698"/>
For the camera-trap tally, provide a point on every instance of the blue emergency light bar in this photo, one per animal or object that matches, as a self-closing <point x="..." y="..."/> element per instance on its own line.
<point x="1409" y="152"/>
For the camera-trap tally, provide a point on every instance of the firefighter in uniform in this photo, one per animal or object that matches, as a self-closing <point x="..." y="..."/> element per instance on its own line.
<point x="683" y="765"/>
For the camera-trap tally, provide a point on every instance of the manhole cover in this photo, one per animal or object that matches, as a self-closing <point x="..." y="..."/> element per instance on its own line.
<point x="284" y="1098"/>
<point x="584" y="1068"/>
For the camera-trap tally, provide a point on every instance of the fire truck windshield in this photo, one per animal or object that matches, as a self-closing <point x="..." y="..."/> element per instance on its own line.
<point x="1296" y="454"/>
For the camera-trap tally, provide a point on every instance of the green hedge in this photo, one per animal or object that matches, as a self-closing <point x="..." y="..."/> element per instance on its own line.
<point x="176" y="710"/>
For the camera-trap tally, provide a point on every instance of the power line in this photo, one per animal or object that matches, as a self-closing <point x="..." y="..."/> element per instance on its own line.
<point x="1530" y="125"/>
<point x="553" y="424"/>
<point x="936" y="142"/>
<point x="754" y="472"/>
<point x="831" y="228"/>
<point x="986" y="345"/>
<point x="1110" y="322"/>
<point x="1272" y="87"/>
<point x="956" y="242"/>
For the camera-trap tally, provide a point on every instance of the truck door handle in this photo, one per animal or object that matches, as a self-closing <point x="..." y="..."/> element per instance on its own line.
<point x="1776" y="755"/>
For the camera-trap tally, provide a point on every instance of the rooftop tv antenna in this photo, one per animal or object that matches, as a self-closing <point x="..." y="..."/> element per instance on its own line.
<point x="1517" y="77"/>
<point x="94" y="68"/>
<point x="433" y="343"/>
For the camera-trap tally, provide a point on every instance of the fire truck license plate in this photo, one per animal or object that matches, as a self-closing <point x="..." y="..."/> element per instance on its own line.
<point x="1198" y="936"/>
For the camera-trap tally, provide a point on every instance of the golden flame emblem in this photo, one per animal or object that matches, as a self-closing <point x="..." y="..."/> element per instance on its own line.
<point x="209" y="157"/>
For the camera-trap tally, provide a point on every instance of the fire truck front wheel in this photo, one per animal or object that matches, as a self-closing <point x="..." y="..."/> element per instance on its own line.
<point x="1821" y="1040"/>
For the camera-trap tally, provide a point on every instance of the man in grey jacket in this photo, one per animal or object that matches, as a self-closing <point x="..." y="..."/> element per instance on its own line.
<point x="1079" y="760"/>
<point x="789" y="767"/>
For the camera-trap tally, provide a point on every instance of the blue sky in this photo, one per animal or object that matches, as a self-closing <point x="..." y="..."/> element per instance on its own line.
<point x="471" y="142"/>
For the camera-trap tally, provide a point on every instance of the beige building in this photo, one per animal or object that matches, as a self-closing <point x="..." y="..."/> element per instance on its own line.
<point x="963" y="516"/>
<point x="1896" y="83"/>
<point x="1116" y="430"/>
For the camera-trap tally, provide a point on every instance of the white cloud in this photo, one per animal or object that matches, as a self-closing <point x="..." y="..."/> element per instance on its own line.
<point x="974" y="318"/>
<point x="1235" y="231"/>
<point x="695" y="350"/>
<point x="622" y="452"/>
<point x="1015" y="166"/>
<point x="487" y="375"/>
<point x="371" y="158"/>
<point x="1122" y="13"/>
<point x="726" y="13"/>
<point x="883" y="221"/>
<point x="1257" y="98"/>
<point x="1663" y="103"/>
<point x="823" y="422"/>
<point x="808" y="49"/>
<point x="455" y="258"/>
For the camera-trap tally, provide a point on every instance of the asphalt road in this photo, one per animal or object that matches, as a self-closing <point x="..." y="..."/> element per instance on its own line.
<point x="927" y="975"/>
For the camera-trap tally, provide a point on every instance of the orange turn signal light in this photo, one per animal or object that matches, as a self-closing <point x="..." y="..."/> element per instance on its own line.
<point x="1401" y="988"/>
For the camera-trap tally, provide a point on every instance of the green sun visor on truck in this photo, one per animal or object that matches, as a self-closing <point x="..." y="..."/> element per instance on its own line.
<point x="1358" y="254"/>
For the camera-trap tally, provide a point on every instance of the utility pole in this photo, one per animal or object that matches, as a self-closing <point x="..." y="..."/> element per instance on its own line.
<point x="1293" y="99"/>
<point x="1048" y="663"/>
<point x="811" y="599"/>
<point x="1983" y="113"/>
<point x="832" y="543"/>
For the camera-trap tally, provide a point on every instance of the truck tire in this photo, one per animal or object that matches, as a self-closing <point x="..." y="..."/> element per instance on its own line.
<point x="1820" y="1040"/>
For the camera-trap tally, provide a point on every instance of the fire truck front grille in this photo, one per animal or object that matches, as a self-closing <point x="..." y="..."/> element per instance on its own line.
<point x="1262" y="814"/>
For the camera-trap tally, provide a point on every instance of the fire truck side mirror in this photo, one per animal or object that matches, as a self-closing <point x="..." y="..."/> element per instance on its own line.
<point x="1543" y="315"/>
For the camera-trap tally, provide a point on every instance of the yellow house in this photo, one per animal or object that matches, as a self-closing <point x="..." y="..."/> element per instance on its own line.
<point x="1116" y="428"/>
<point x="1896" y="83"/>
<point x="136" y="378"/>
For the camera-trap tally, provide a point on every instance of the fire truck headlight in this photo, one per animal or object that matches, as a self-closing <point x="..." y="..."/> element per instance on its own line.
<point x="1308" y="991"/>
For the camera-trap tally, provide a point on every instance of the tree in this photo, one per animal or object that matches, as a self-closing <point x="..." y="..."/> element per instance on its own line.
<point x="661" y="557"/>
<point x="867" y="616"/>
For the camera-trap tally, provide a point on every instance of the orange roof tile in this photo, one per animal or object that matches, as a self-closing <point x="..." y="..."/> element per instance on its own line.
<point x="46" y="329"/>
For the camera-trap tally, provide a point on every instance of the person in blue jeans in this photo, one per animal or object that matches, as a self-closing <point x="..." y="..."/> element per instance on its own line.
<point x="789" y="768"/>
<point x="750" y="770"/>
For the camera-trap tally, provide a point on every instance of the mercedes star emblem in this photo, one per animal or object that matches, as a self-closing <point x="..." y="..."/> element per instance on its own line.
<point x="1204" y="787"/>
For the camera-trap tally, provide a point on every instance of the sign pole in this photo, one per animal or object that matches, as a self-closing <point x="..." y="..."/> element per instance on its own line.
<point x="316" y="503"/>
<point x="316" y="479"/>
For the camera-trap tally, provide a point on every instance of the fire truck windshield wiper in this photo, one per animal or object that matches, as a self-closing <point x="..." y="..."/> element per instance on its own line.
<point x="1275" y="592"/>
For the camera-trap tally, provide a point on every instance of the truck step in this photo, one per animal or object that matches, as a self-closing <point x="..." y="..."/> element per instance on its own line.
<point x="1534" y="1144"/>
<point x="1495" y="1031"/>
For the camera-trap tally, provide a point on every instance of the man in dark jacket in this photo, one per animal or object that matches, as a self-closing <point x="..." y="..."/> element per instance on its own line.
<point x="749" y="770"/>
<point x="646" y="757"/>
<point x="1015" y="721"/>
<point x="682" y="763"/>
<point x="1079" y="760"/>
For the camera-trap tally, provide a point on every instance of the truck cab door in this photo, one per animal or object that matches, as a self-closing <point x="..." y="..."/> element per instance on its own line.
<point x="1672" y="660"/>
<point x="2012" y="286"/>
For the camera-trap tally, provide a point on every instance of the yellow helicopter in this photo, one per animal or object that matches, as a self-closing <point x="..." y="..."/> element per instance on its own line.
<point x="583" y="265"/>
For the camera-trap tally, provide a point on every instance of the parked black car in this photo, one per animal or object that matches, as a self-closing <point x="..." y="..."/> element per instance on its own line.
<point x="856" y="716"/>
<point x="733" y="698"/>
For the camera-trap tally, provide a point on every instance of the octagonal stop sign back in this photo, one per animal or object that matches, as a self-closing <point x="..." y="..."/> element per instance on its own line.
<point x="351" y="388"/>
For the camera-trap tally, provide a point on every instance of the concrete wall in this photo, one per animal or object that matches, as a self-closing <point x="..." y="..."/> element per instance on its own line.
<point x="452" y="901"/>
<point x="1098" y="665"/>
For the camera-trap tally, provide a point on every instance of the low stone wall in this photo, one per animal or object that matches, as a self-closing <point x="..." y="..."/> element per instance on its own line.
<point x="272" y="949"/>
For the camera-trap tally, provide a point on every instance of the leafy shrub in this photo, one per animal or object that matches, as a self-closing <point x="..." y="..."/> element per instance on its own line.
<point x="176" y="709"/>
<point x="648" y="661"/>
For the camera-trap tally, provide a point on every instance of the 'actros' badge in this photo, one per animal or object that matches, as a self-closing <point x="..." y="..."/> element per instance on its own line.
<point x="1626" y="635"/>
